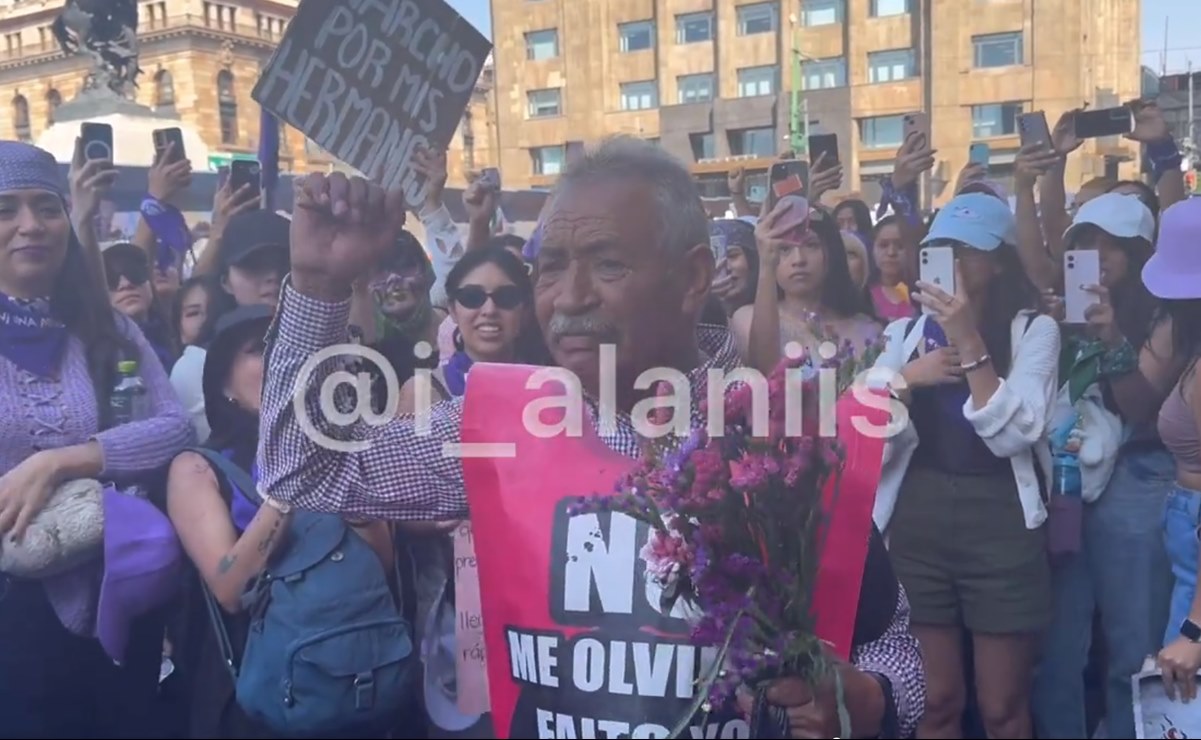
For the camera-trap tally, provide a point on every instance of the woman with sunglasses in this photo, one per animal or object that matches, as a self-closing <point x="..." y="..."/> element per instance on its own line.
<point x="491" y="303"/>
<point x="127" y="270"/>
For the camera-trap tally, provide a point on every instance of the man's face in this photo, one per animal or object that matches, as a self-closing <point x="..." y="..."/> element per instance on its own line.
<point x="603" y="278"/>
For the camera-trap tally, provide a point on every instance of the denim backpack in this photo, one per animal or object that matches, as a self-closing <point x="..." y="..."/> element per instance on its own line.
<point x="329" y="650"/>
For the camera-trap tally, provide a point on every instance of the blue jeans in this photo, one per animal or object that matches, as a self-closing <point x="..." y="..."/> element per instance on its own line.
<point x="1180" y="522"/>
<point x="1122" y="570"/>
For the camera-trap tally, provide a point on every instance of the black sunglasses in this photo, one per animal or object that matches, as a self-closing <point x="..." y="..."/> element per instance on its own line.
<point x="135" y="273"/>
<point x="506" y="297"/>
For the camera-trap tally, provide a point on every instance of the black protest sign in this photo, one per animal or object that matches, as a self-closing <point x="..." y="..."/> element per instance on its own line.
<point x="373" y="81"/>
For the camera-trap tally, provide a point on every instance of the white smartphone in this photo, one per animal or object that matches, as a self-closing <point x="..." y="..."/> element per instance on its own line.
<point x="1081" y="267"/>
<point x="937" y="267"/>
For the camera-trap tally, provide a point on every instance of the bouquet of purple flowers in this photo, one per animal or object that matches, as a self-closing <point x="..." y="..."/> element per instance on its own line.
<point x="737" y="531"/>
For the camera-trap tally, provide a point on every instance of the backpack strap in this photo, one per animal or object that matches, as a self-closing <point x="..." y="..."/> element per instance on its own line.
<point x="225" y="468"/>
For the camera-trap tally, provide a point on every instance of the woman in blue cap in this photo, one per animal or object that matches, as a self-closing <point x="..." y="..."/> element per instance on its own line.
<point x="961" y="494"/>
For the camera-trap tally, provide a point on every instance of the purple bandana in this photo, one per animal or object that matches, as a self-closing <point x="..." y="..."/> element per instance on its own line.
<point x="455" y="372"/>
<point x="31" y="337"/>
<point x="170" y="230"/>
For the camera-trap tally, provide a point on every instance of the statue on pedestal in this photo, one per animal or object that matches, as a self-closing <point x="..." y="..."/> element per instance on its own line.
<point x="105" y="30"/>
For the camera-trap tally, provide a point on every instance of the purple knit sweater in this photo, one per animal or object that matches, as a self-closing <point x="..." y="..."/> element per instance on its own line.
<point x="41" y="413"/>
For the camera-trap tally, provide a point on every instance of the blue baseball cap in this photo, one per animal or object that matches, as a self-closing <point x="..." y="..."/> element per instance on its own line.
<point x="980" y="221"/>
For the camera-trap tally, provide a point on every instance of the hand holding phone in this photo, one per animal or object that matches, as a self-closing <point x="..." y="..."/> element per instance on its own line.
<point x="789" y="177"/>
<point x="1094" y="124"/>
<point x="1081" y="270"/>
<point x="244" y="172"/>
<point x="979" y="154"/>
<point x="1033" y="130"/>
<point x="169" y="139"/>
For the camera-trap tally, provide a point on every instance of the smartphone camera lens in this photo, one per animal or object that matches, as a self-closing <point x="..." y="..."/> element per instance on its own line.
<point x="97" y="150"/>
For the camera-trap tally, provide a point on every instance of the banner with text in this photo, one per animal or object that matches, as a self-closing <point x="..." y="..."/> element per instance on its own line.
<point x="576" y="642"/>
<point x="371" y="81"/>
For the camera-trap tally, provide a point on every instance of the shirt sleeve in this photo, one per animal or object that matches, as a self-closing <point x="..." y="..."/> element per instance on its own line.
<point x="149" y="443"/>
<point x="896" y="658"/>
<point x="445" y="246"/>
<point x="319" y="446"/>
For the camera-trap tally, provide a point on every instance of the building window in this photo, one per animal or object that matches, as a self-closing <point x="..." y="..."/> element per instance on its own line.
<point x="998" y="50"/>
<point x="641" y="95"/>
<point x="891" y="66"/>
<point x="695" y="88"/>
<point x="881" y="8"/>
<point x="882" y="131"/>
<point x="823" y="74"/>
<point x="636" y="36"/>
<point x="53" y="100"/>
<point x="21" y="118"/>
<point x="753" y="81"/>
<point x="541" y="45"/>
<point x="822" y="12"/>
<point x="164" y="89"/>
<point x="13" y="42"/>
<point x="995" y="119"/>
<point x="757" y="18"/>
<point x="547" y="160"/>
<point x="756" y="142"/>
<point x="704" y="146"/>
<point x="694" y="28"/>
<point x="544" y="103"/>
<point x="227" y="107"/>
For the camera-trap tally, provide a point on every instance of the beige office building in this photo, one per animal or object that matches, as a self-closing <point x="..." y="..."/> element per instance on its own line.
<point x="712" y="80"/>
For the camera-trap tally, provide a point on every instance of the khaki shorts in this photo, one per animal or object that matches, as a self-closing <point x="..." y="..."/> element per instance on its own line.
<point x="960" y="546"/>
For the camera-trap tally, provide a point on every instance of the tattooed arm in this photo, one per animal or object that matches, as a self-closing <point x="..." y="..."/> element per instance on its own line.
<point x="227" y="562"/>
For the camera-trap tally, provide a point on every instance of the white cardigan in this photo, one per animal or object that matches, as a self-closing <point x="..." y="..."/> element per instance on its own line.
<point x="1013" y="423"/>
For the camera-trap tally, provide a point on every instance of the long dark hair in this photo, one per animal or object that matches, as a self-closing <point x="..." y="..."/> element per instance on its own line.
<point x="219" y="303"/>
<point x="232" y="427"/>
<point x="1009" y="293"/>
<point x="530" y="347"/>
<point x="861" y="213"/>
<point x="1134" y="307"/>
<point x="81" y="302"/>
<point x="839" y="293"/>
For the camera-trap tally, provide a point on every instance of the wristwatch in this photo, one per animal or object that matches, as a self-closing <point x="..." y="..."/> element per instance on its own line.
<point x="1190" y="630"/>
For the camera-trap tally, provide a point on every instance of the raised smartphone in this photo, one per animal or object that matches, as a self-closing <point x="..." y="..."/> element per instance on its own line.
<point x="1093" y="124"/>
<point x="1033" y="130"/>
<point x="936" y="266"/>
<point x="788" y="177"/>
<point x="97" y="140"/>
<point x="1081" y="268"/>
<point x="165" y="137"/>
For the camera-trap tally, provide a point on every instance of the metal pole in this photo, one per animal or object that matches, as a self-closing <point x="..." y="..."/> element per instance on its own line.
<point x="794" y="119"/>
<point x="1189" y="134"/>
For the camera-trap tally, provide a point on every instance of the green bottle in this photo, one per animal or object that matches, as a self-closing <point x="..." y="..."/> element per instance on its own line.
<point x="128" y="400"/>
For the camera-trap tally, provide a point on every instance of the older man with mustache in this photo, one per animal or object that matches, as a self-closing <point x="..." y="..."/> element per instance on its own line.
<point x="624" y="263"/>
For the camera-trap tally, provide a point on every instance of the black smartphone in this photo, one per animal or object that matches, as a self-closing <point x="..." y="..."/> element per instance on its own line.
<point x="165" y="137"/>
<point x="826" y="144"/>
<point x="1093" y="124"/>
<point x="244" y="172"/>
<point x="97" y="140"/>
<point x="789" y="176"/>
<point x="1033" y="130"/>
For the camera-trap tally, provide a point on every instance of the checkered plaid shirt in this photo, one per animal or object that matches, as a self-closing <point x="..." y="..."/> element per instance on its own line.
<point x="403" y="474"/>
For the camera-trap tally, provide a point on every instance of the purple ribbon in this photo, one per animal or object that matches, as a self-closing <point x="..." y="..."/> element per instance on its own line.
<point x="170" y="231"/>
<point x="31" y="338"/>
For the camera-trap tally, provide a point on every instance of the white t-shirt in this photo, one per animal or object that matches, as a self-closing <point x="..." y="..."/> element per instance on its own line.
<point x="187" y="378"/>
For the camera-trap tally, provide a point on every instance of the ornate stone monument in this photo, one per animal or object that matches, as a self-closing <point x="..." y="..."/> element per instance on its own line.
<point x="105" y="32"/>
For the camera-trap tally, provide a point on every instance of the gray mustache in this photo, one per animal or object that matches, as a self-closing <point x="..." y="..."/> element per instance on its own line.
<point x="587" y="325"/>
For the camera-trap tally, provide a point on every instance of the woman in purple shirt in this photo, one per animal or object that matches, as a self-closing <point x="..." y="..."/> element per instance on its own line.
<point x="60" y="343"/>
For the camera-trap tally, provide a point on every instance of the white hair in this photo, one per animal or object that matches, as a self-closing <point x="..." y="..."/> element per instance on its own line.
<point x="683" y="220"/>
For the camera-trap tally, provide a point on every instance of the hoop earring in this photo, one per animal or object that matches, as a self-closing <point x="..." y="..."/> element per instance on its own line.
<point x="457" y="338"/>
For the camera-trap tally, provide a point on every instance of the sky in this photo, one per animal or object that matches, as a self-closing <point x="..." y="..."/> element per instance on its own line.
<point x="1182" y="41"/>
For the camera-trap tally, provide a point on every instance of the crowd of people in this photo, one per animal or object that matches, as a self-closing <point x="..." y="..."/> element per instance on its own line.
<point x="1040" y="506"/>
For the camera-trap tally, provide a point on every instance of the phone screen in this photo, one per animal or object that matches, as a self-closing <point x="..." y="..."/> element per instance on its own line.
<point x="979" y="153"/>
<point x="165" y="137"/>
<point x="244" y="172"/>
